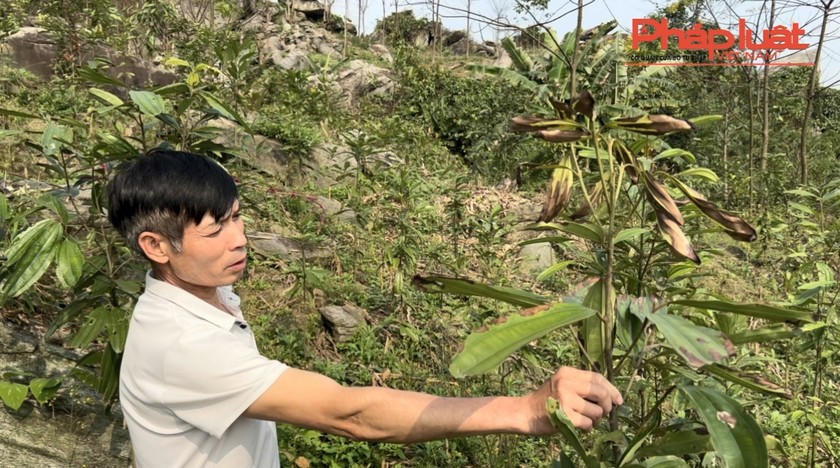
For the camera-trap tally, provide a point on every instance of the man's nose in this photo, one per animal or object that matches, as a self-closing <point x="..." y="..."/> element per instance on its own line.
<point x="240" y="240"/>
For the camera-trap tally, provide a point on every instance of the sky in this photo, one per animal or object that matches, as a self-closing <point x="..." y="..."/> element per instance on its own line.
<point x="624" y="11"/>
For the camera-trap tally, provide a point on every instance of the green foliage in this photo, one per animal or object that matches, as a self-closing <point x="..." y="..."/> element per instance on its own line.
<point x="91" y="263"/>
<point x="419" y="209"/>
<point x="400" y="28"/>
<point x="14" y="14"/>
<point x="468" y="118"/>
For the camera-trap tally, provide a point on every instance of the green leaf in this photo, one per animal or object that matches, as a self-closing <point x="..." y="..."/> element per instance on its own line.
<point x="673" y="153"/>
<point x="224" y="110"/>
<point x="705" y="119"/>
<point x="544" y="240"/>
<point x="44" y="389"/>
<point x="97" y="321"/>
<point x="766" y="334"/>
<point x="801" y="193"/>
<point x="505" y="74"/>
<point x="443" y="284"/>
<point x="174" y="88"/>
<point x="630" y="233"/>
<point x="667" y="461"/>
<point x="129" y="286"/>
<point x="652" y="424"/>
<point x="701" y="172"/>
<point x="148" y="102"/>
<point x="107" y="97"/>
<point x="802" y="208"/>
<point x="564" y="426"/>
<point x="773" y="313"/>
<point x="176" y="62"/>
<point x="96" y="76"/>
<point x="736" y="437"/>
<point x="10" y="133"/>
<point x="748" y="380"/>
<point x="168" y="119"/>
<point x="520" y="59"/>
<point x="117" y="329"/>
<point x="13" y="394"/>
<point x="28" y="258"/>
<point x="587" y="231"/>
<point x="679" y="443"/>
<point x="4" y="210"/>
<point x="484" y="350"/>
<point x="69" y="263"/>
<point x="592" y="328"/>
<point x="629" y="324"/>
<point x="53" y="138"/>
<point x="14" y="113"/>
<point x="698" y="345"/>
<point x="550" y="271"/>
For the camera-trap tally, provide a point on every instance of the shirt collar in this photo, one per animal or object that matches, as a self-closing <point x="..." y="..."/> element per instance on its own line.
<point x="193" y="304"/>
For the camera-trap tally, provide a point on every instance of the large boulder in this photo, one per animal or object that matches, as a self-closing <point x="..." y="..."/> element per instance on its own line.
<point x="35" y="50"/>
<point x="343" y="321"/>
<point x="312" y="9"/>
<point x="360" y="78"/>
<point x="74" y="429"/>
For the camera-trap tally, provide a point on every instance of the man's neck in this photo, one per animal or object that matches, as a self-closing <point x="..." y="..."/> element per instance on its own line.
<point x="207" y="294"/>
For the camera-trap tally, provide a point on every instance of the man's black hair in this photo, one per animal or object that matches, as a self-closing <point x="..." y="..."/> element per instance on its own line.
<point x="164" y="190"/>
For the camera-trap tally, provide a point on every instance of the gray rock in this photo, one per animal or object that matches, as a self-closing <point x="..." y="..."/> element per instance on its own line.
<point x="73" y="430"/>
<point x="260" y="152"/>
<point x="331" y="163"/>
<point x="382" y="52"/>
<point x="502" y="59"/>
<point x="33" y="49"/>
<point x="361" y="78"/>
<point x="335" y="208"/>
<point x="535" y="258"/>
<point x="313" y="9"/>
<point x="293" y="60"/>
<point x="328" y="50"/>
<point x="286" y="248"/>
<point x="343" y="321"/>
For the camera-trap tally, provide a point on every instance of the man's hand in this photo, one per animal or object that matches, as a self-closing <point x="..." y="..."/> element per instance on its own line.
<point x="585" y="396"/>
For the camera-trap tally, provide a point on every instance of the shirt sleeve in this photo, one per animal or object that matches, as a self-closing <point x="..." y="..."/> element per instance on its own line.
<point x="211" y="377"/>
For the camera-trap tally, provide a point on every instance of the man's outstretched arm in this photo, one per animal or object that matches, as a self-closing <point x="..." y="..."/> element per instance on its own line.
<point x="312" y="400"/>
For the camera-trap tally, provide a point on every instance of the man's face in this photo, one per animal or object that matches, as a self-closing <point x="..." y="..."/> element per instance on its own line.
<point x="212" y="254"/>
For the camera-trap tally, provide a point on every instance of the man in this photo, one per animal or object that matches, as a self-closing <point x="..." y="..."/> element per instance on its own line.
<point x="194" y="389"/>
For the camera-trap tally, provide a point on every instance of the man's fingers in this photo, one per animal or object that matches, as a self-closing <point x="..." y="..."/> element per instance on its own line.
<point x="615" y="395"/>
<point x="580" y="421"/>
<point x="592" y="411"/>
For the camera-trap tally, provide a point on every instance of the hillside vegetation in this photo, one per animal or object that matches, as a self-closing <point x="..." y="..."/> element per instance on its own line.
<point x="460" y="224"/>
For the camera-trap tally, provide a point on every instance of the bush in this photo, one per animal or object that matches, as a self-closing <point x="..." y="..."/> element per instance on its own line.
<point x="470" y="114"/>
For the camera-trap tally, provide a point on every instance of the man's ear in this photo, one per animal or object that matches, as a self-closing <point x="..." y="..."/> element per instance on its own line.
<point x="156" y="246"/>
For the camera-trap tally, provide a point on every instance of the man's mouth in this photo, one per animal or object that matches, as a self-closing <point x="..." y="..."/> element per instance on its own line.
<point x="240" y="265"/>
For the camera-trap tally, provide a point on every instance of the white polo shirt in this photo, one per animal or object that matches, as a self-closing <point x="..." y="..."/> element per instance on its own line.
<point x="189" y="371"/>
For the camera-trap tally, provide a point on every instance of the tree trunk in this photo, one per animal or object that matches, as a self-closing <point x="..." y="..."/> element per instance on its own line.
<point x="751" y="149"/>
<point x="765" y="117"/>
<point x="809" y="98"/>
<point x="469" y="33"/>
<point x="575" y="56"/>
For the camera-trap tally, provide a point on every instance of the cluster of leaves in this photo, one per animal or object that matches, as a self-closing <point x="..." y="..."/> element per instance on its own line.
<point x="401" y="28"/>
<point x="468" y="118"/>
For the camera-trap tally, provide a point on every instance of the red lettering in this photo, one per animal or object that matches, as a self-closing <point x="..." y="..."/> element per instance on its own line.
<point x="715" y="41"/>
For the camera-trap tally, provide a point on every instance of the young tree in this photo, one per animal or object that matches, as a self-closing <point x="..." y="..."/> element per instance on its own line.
<point x="828" y="9"/>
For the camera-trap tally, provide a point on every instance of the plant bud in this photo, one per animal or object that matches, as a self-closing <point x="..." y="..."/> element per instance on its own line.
<point x="559" y="190"/>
